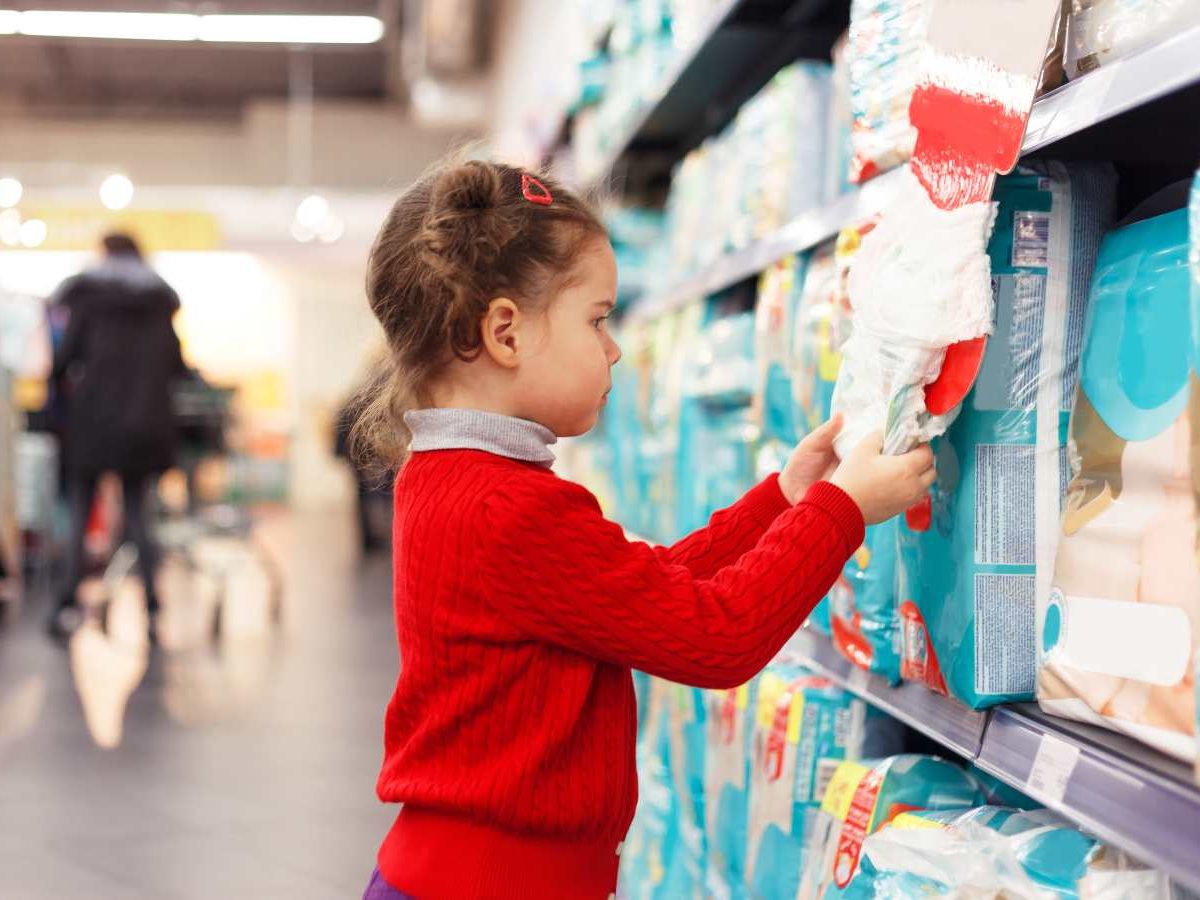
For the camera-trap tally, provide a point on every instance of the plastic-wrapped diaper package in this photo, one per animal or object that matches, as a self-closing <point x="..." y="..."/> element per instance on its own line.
<point x="1120" y="632"/>
<point x="816" y="345"/>
<point x="730" y="718"/>
<point x="804" y="727"/>
<point x="885" y="44"/>
<point x="911" y="299"/>
<point x="778" y="292"/>
<point x="1102" y="31"/>
<point x="970" y="577"/>
<point x="991" y="851"/>
<point x="861" y="798"/>
<point x="862" y="604"/>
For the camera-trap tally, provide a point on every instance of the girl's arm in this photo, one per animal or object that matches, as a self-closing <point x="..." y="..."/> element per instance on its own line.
<point x="563" y="574"/>
<point x="730" y="532"/>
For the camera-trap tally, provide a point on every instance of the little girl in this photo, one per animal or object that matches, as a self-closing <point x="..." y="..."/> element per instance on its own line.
<point x="520" y="610"/>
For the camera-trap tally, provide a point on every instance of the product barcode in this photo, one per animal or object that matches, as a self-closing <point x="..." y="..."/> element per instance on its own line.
<point x="825" y="770"/>
<point x="1031" y="240"/>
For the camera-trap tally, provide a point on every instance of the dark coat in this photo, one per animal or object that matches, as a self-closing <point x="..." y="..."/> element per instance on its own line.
<point x="119" y="358"/>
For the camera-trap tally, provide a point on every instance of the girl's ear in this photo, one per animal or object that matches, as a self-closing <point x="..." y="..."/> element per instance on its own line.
<point x="499" y="332"/>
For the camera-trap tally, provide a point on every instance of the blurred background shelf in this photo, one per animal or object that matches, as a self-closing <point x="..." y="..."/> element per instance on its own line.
<point x="745" y="44"/>
<point x="1105" y="114"/>
<point x="1112" y="786"/>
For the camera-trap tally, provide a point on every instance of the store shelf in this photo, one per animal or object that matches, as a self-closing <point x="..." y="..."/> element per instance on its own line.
<point x="1118" y="87"/>
<point x="742" y="47"/>
<point x="944" y="720"/>
<point x="1103" y="95"/>
<point x="1123" y="792"/>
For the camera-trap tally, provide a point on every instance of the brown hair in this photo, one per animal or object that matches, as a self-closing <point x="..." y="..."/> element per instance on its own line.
<point x="462" y="235"/>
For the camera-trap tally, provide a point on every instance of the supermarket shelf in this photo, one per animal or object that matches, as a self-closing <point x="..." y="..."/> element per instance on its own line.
<point x="1123" y="792"/>
<point x="801" y="233"/>
<point x="1089" y="101"/>
<point x="1116" y="88"/>
<point x="743" y="45"/>
<point x="944" y="720"/>
<point x="1120" y="791"/>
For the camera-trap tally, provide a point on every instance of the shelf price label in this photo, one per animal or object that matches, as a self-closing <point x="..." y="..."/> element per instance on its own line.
<point x="1053" y="765"/>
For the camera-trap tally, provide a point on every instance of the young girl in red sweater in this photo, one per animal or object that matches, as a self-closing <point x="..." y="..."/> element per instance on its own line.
<point x="520" y="610"/>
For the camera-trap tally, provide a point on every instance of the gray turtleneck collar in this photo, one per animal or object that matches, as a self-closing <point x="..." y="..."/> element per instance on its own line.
<point x="473" y="429"/>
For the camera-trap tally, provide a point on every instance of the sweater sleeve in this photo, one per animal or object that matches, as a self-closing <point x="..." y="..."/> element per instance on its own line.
<point x="730" y="532"/>
<point x="555" y="568"/>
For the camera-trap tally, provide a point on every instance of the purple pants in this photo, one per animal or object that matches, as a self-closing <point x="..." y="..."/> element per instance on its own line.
<point x="378" y="889"/>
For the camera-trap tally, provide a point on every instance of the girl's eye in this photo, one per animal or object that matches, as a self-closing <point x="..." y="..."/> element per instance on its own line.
<point x="599" y="323"/>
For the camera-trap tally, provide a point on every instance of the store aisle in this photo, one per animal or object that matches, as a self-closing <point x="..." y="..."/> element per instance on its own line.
<point x="240" y="769"/>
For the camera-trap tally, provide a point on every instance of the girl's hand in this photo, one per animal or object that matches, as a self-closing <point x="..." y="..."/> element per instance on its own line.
<point x="813" y="460"/>
<point x="884" y="486"/>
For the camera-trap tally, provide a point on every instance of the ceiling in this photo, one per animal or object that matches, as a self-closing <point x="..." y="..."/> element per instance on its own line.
<point x="72" y="77"/>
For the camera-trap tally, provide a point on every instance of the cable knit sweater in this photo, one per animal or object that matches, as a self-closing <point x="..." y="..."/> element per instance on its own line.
<point x="520" y="611"/>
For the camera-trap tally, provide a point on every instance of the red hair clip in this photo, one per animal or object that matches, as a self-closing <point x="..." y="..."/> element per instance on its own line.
<point x="534" y="191"/>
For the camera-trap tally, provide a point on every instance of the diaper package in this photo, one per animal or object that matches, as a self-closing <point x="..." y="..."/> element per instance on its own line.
<point x="1102" y="31"/>
<point x="863" y="797"/>
<point x="730" y="718"/>
<point x="1120" y="631"/>
<point x="993" y="851"/>
<point x="1194" y="258"/>
<point x="774" y="333"/>
<point x="804" y="727"/>
<point x="970" y="577"/>
<point x="884" y="47"/>
<point x="816" y="345"/>
<point x="911" y="299"/>
<point x="862" y="604"/>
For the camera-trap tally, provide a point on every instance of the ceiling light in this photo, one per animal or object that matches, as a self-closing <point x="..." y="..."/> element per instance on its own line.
<point x="116" y="192"/>
<point x="128" y="26"/>
<point x="302" y="234"/>
<point x="332" y="230"/>
<point x="10" y="192"/>
<point x="312" y="212"/>
<point x="10" y="228"/>
<point x="272" y="29"/>
<point x="33" y="233"/>
<point x="291" y="29"/>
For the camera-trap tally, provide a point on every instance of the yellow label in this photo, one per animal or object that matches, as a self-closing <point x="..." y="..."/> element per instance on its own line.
<point x="840" y="793"/>
<point x="912" y="822"/>
<point x="862" y="556"/>
<point x="795" y="717"/>
<point x="770" y="689"/>
<point x="743" y="696"/>
<point x="80" y="228"/>
<point x="829" y="361"/>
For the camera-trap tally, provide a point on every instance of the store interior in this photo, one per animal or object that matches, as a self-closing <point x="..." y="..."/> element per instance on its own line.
<point x="999" y="696"/>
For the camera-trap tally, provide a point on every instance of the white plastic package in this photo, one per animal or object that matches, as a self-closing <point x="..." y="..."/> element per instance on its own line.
<point x="1102" y="31"/>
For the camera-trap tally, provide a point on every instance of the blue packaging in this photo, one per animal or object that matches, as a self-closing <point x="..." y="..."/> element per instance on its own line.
<point x="970" y="578"/>
<point x="730" y="718"/>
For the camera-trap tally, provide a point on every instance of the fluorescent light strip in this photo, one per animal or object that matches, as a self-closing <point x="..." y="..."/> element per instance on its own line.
<point x="291" y="29"/>
<point x="278" y="29"/>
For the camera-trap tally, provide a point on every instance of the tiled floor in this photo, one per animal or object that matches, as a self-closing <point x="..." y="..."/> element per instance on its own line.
<point x="237" y="768"/>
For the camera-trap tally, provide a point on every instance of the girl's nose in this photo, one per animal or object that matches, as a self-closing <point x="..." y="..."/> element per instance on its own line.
<point x="614" y="352"/>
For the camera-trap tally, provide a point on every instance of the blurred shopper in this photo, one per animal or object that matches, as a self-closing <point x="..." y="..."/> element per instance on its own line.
<point x="371" y="490"/>
<point x="118" y="360"/>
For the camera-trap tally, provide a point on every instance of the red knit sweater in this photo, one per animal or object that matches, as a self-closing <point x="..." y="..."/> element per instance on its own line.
<point x="520" y="612"/>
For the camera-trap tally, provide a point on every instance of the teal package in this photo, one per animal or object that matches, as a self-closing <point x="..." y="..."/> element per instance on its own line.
<point x="804" y="726"/>
<point x="970" y="584"/>
<point x="990" y="851"/>
<point x="730" y="720"/>
<point x="1194" y="220"/>
<point x="878" y="791"/>
<point x="862" y="604"/>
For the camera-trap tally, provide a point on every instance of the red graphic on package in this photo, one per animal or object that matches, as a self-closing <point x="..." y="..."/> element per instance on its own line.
<point x="856" y="828"/>
<point x="919" y="661"/>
